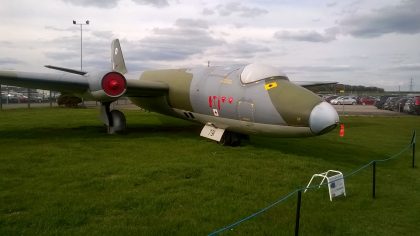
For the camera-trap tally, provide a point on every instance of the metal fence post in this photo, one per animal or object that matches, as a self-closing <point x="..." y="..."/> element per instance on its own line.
<point x="50" y="99"/>
<point x="1" y="99"/>
<point x="299" y="200"/>
<point x="29" y="98"/>
<point x="373" y="179"/>
<point x="413" y="145"/>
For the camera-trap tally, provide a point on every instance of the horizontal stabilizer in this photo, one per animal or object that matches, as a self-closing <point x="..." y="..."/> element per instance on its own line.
<point x="78" y="72"/>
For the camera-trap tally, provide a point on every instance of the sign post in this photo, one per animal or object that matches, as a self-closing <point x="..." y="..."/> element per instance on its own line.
<point x="335" y="182"/>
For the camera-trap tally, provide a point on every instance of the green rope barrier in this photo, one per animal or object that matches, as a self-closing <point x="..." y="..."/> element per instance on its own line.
<point x="284" y="198"/>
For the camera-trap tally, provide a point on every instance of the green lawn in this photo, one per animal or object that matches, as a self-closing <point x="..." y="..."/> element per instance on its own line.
<point x="61" y="174"/>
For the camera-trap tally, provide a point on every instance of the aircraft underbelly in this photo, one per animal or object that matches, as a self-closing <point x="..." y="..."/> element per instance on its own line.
<point x="246" y="127"/>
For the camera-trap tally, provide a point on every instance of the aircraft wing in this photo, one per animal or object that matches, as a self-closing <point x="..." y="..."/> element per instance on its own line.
<point x="309" y="84"/>
<point x="57" y="82"/>
<point x="86" y="84"/>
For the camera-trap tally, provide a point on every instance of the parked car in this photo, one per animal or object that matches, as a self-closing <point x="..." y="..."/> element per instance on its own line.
<point x="328" y="99"/>
<point x="399" y="105"/>
<point x="412" y="105"/>
<point x="367" y="100"/>
<point x="380" y="103"/>
<point x="344" y="100"/>
<point x="35" y="98"/>
<point x="389" y="104"/>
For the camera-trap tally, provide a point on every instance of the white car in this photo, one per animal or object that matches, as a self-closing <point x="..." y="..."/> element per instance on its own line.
<point x="344" y="100"/>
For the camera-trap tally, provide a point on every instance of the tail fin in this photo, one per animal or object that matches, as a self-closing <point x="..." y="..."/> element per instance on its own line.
<point x="117" y="58"/>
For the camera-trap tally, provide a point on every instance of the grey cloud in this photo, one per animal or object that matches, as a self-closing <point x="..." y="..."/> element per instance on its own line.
<point x="207" y="11"/>
<point x="63" y="55"/>
<point x="331" y="4"/>
<point x="403" y="18"/>
<point x="5" y="43"/>
<point x="104" y="34"/>
<point x="322" y="68"/>
<point x="243" y="49"/>
<point x="114" y="3"/>
<point x="176" y="43"/>
<point x="308" y="35"/>
<point x="406" y="67"/>
<point x="94" y="3"/>
<point x="9" y="61"/>
<point x="155" y="3"/>
<point x="237" y="8"/>
<point x="49" y="27"/>
<point x="65" y="51"/>
<point x="193" y="23"/>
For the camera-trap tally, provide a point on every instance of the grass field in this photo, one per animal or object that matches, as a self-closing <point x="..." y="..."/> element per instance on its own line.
<point x="61" y="174"/>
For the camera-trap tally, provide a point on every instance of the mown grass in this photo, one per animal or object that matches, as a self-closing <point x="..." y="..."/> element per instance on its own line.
<point x="60" y="173"/>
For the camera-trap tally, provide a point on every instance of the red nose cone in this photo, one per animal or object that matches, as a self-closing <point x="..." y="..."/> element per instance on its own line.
<point x="114" y="84"/>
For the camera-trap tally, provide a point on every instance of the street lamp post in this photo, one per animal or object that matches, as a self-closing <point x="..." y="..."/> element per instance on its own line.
<point x="81" y="41"/>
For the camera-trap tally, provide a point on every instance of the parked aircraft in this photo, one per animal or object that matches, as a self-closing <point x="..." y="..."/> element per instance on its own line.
<point x="230" y="101"/>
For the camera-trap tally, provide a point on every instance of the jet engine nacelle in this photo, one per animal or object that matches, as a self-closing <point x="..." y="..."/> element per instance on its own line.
<point x="106" y="86"/>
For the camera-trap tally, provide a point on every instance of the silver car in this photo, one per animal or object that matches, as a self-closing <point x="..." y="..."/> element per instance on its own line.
<point x="344" y="100"/>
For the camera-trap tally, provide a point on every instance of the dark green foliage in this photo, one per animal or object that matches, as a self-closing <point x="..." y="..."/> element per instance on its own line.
<point x="68" y="100"/>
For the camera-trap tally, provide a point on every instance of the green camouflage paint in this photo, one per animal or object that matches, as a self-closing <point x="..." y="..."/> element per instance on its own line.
<point x="179" y="81"/>
<point x="294" y="103"/>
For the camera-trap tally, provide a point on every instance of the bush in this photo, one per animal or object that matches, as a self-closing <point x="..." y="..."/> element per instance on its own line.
<point x="68" y="100"/>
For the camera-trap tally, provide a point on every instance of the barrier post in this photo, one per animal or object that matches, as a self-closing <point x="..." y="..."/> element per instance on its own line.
<point x="373" y="179"/>
<point x="299" y="200"/>
<point x="413" y="145"/>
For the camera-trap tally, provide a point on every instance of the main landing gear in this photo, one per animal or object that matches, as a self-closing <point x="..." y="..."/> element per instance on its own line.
<point x="114" y="120"/>
<point x="232" y="139"/>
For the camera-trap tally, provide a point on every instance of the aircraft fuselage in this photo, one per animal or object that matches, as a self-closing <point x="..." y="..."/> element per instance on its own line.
<point x="218" y="96"/>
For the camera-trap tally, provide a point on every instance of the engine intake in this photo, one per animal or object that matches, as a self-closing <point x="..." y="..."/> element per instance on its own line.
<point x="114" y="84"/>
<point x="106" y="86"/>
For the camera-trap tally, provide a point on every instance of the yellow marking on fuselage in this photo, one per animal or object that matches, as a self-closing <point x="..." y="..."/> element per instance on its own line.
<point x="226" y="81"/>
<point x="270" y="85"/>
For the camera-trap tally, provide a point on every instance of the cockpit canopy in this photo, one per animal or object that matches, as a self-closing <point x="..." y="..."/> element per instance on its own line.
<point x="256" y="72"/>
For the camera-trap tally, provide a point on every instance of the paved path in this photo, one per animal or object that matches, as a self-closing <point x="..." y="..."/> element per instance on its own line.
<point x="368" y="110"/>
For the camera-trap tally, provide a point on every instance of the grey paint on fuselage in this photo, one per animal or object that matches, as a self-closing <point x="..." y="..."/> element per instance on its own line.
<point x="230" y="98"/>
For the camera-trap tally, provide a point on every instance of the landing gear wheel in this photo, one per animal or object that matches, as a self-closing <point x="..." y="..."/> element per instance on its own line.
<point x="114" y="120"/>
<point x="118" y="120"/>
<point x="230" y="139"/>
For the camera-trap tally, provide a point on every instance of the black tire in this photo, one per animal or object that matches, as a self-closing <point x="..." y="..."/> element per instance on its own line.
<point x="230" y="139"/>
<point x="119" y="122"/>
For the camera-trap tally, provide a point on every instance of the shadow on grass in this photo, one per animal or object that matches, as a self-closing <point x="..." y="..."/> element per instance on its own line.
<point x="330" y="150"/>
<point x="96" y="131"/>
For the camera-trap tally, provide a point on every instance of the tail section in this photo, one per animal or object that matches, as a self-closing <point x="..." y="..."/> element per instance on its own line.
<point x="117" y="58"/>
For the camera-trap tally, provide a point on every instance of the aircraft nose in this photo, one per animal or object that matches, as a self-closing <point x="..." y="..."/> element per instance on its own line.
<point x="323" y="118"/>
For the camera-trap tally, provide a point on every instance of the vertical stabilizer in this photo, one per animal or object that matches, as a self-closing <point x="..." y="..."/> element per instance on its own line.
<point x="117" y="58"/>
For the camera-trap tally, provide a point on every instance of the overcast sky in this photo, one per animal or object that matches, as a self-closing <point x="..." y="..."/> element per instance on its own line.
<point x="371" y="42"/>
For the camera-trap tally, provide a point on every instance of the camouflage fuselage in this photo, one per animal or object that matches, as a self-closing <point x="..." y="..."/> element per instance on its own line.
<point x="216" y="95"/>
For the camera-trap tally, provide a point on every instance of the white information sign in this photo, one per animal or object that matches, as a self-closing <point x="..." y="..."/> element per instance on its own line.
<point x="212" y="133"/>
<point x="336" y="186"/>
<point x="335" y="183"/>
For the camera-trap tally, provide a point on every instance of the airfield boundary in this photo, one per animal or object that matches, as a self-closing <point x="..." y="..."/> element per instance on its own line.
<point x="372" y="163"/>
